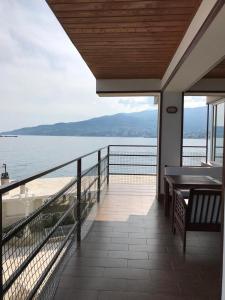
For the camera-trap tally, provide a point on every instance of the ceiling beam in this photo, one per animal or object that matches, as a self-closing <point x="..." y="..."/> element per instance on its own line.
<point x="202" y="47"/>
<point x="127" y="87"/>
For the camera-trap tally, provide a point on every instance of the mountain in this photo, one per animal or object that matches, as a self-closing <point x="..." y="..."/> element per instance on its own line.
<point x="138" y="124"/>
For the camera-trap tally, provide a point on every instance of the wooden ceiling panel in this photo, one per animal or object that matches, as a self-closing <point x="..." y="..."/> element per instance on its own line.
<point x="125" y="38"/>
<point x="218" y="71"/>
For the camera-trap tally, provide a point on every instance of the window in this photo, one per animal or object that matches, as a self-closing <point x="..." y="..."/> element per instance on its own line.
<point x="195" y="133"/>
<point x="218" y="132"/>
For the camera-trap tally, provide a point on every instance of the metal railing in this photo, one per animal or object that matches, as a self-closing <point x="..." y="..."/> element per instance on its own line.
<point x="194" y="155"/>
<point x="132" y="159"/>
<point x="34" y="247"/>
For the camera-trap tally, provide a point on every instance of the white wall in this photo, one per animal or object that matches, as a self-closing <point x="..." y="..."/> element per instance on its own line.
<point x="128" y="85"/>
<point x="171" y="131"/>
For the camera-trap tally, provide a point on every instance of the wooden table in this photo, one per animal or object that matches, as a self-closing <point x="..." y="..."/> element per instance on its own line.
<point x="186" y="182"/>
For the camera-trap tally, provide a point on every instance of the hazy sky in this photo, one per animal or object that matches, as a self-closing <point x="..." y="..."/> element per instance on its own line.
<point x="43" y="79"/>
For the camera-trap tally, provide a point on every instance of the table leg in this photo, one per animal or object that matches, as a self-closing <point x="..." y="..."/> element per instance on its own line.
<point x="172" y="206"/>
<point x="166" y="198"/>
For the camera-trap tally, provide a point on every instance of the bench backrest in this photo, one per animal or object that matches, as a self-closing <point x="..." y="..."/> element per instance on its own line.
<point x="204" y="207"/>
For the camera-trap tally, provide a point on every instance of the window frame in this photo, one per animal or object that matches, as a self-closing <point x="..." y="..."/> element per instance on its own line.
<point x="213" y="135"/>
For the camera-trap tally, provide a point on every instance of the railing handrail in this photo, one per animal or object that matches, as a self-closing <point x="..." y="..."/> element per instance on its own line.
<point x="8" y="187"/>
<point x="132" y="145"/>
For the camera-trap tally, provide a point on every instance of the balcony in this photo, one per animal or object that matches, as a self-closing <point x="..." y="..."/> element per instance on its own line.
<point x="131" y="253"/>
<point x="95" y="227"/>
<point x="103" y="235"/>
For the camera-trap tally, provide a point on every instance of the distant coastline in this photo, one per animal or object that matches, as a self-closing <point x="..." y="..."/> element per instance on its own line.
<point x="138" y="124"/>
<point x="4" y="136"/>
<point x="194" y="136"/>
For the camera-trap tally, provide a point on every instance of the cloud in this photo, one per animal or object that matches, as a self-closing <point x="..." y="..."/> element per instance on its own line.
<point x="138" y="103"/>
<point x="43" y="77"/>
<point x="194" y="101"/>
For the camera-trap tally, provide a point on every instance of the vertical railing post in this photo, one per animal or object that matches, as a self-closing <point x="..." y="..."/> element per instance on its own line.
<point x="99" y="175"/>
<point x="108" y="154"/>
<point x="79" y="200"/>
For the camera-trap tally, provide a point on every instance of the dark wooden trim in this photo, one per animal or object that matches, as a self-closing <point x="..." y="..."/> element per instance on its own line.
<point x="204" y="227"/>
<point x="159" y="143"/>
<point x="161" y="197"/>
<point x="211" y="16"/>
<point x="204" y="92"/>
<point x="182" y="131"/>
<point x="136" y="92"/>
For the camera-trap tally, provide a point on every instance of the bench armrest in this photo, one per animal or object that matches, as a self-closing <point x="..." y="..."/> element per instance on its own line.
<point x="180" y="197"/>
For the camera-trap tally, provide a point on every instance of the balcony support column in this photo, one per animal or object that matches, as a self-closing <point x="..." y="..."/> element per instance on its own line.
<point x="170" y="133"/>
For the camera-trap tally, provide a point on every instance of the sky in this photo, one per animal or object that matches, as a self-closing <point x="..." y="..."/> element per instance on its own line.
<point x="43" y="78"/>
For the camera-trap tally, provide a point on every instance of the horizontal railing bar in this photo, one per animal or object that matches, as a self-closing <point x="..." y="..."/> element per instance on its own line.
<point x="193" y="156"/>
<point x="91" y="168"/>
<point x="13" y="185"/>
<point x="48" y="268"/>
<point x="132" y="145"/>
<point x="137" y="174"/>
<point x="31" y="256"/>
<point x="23" y="223"/>
<point x="141" y="155"/>
<point x="133" y="165"/>
<point x="188" y="146"/>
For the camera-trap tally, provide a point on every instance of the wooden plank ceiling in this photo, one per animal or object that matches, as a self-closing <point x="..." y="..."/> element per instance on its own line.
<point x="125" y="38"/>
<point x="218" y="71"/>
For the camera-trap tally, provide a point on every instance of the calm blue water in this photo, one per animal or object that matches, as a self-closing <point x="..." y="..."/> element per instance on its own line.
<point x="27" y="155"/>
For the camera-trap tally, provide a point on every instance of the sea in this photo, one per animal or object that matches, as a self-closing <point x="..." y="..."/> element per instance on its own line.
<point x="27" y="155"/>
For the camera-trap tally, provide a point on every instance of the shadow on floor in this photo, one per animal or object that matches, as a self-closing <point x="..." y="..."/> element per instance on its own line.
<point x="131" y="253"/>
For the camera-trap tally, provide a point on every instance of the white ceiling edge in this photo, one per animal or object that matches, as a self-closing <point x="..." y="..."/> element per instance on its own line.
<point x="127" y="86"/>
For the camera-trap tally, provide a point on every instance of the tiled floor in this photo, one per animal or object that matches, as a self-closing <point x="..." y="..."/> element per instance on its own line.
<point x="130" y="253"/>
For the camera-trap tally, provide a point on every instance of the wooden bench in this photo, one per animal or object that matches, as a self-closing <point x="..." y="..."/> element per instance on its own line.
<point x="215" y="172"/>
<point x="201" y="211"/>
